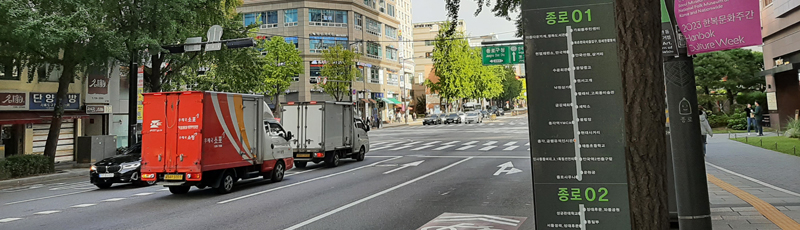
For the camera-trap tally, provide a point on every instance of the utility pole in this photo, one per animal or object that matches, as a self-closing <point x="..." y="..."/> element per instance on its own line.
<point x="133" y="98"/>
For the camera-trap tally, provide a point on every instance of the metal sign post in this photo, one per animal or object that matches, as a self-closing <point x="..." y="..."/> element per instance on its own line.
<point x="578" y="147"/>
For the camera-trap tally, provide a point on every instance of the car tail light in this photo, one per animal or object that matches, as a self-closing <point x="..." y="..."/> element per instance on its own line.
<point x="148" y="176"/>
<point x="319" y="155"/>
<point x="194" y="176"/>
<point x="290" y="103"/>
<point x="313" y="102"/>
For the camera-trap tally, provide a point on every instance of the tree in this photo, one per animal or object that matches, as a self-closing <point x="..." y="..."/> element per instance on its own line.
<point x="639" y="51"/>
<point x="732" y="71"/>
<point x="512" y="87"/>
<point x="487" y="81"/>
<point x="339" y="71"/>
<point x="66" y="33"/>
<point x="451" y="62"/>
<point x="282" y="62"/>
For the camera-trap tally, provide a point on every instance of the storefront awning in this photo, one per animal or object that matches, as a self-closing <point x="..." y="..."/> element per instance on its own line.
<point x="391" y="101"/>
<point x="368" y="101"/>
<point x="29" y="117"/>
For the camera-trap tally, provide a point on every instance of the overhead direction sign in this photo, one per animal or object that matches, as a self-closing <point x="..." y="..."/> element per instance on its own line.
<point x="503" y="55"/>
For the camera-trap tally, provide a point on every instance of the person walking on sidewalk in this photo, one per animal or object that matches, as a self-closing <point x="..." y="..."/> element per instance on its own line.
<point x="758" y="115"/>
<point x="705" y="129"/>
<point x="750" y="118"/>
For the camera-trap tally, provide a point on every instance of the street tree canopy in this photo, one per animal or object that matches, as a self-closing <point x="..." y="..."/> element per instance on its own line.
<point x="454" y="64"/>
<point x="340" y="71"/>
<point x="731" y="71"/>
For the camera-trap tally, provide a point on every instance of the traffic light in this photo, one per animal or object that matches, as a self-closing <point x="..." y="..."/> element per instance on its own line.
<point x="240" y="43"/>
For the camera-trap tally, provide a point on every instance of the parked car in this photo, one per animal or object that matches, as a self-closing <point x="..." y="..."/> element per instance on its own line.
<point x="498" y="112"/>
<point x="123" y="168"/>
<point x="453" y="118"/>
<point x="462" y="115"/>
<point x="432" y="119"/>
<point x="474" y="117"/>
<point x="485" y="114"/>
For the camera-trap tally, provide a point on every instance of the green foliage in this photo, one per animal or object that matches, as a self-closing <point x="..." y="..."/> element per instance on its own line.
<point x="738" y="120"/>
<point x="793" y="128"/>
<point x="282" y="62"/>
<point x="511" y="86"/>
<point x="25" y="165"/>
<point x="717" y="120"/>
<point x="453" y="63"/>
<point x="340" y="70"/>
<point x="730" y="71"/>
<point x="420" y="106"/>
<point x="751" y="97"/>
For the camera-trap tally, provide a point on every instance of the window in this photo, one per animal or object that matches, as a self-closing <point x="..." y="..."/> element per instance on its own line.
<point x="391" y="53"/>
<point x="392" y="77"/>
<point x="373" y="27"/>
<point x="359" y="21"/>
<point x="382" y="5"/>
<point x="251" y="18"/>
<point x="333" y="18"/>
<point x="374" y="76"/>
<point x="390" y="10"/>
<point x="391" y="32"/>
<point x="319" y="44"/>
<point x="370" y="3"/>
<point x="373" y="50"/>
<point x="290" y="17"/>
<point x="10" y="68"/>
<point x="267" y="19"/>
<point x="430" y="42"/>
<point x="428" y="54"/>
<point x="48" y="73"/>
<point x="292" y="40"/>
<point x="272" y="18"/>
<point x="274" y="129"/>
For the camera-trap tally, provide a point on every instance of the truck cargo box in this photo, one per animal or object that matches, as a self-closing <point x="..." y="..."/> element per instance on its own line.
<point x="323" y="130"/>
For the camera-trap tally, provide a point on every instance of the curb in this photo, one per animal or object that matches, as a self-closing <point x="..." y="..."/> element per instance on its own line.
<point x="59" y="175"/>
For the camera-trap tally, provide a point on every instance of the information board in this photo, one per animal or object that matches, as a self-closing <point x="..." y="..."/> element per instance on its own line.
<point x="503" y="55"/>
<point x="577" y="133"/>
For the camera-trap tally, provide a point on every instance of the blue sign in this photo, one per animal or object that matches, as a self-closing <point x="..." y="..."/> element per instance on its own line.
<point x="377" y="95"/>
<point x="47" y="101"/>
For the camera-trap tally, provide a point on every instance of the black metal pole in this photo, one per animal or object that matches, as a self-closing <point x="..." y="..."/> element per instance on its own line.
<point x="133" y="98"/>
<point x="688" y="160"/>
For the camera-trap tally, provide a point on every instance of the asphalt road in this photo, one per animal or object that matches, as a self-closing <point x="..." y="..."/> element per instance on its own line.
<point x="478" y="173"/>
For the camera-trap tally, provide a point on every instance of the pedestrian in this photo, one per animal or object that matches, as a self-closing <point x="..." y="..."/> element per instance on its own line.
<point x="705" y="128"/>
<point x="750" y="118"/>
<point x="758" y="114"/>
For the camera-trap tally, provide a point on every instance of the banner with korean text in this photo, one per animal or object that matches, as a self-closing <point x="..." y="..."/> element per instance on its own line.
<point x="714" y="25"/>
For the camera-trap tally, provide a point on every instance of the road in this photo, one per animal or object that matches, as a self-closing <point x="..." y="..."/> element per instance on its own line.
<point x="479" y="174"/>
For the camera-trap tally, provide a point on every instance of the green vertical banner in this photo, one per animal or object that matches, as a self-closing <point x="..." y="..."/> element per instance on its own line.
<point x="669" y="46"/>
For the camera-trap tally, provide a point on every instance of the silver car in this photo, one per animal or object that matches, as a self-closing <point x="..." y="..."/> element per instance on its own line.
<point x="474" y="117"/>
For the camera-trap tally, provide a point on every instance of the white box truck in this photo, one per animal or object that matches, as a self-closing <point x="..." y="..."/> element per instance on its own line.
<point x="324" y="131"/>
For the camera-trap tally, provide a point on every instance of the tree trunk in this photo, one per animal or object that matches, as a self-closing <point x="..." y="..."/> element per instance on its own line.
<point x="639" y="43"/>
<point x="55" y="123"/>
<point x="731" y="97"/>
<point x="154" y="80"/>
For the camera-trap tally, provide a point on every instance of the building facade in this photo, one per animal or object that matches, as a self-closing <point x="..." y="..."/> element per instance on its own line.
<point x="424" y="37"/>
<point x="369" y="27"/>
<point x="780" y="29"/>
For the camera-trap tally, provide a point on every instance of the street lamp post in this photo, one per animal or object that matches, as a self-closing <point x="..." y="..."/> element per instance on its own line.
<point x="403" y="89"/>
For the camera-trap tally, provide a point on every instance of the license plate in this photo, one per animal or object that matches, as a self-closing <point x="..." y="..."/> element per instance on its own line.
<point x="173" y="177"/>
<point x="304" y="155"/>
<point x="106" y="175"/>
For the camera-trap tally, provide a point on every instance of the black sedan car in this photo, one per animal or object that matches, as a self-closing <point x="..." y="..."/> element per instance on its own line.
<point x="432" y="119"/>
<point x="453" y="118"/>
<point x="124" y="168"/>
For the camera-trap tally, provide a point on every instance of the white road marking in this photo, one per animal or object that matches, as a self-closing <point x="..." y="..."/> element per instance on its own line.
<point x="115" y="199"/>
<point x="416" y="163"/>
<point x="451" y="143"/>
<point x="465" y="147"/>
<point x="362" y="200"/>
<point x="433" y="142"/>
<point x="6" y="220"/>
<point x="510" y="148"/>
<point x="510" y="143"/>
<point x="47" y="212"/>
<point x="401" y="147"/>
<point x="164" y="189"/>
<point x="529" y="148"/>
<point x="754" y="180"/>
<point x="471" y="143"/>
<point x="528" y="144"/>
<point x="83" y="205"/>
<point x="507" y="168"/>
<point x="490" y="143"/>
<point x="143" y="194"/>
<point x="422" y="147"/>
<point x="306" y="181"/>
<point x="476" y="157"/>
<point x="443" y="147"/>
<point x="47" y="197"/>
<point x="487" y="148"/>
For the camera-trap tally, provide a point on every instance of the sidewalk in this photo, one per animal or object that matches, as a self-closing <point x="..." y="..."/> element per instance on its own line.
<point x="738" y="201"/>
<point x="58" y="176"/>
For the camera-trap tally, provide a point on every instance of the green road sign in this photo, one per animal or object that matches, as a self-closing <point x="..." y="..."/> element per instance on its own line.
<point x="503" y="55"/>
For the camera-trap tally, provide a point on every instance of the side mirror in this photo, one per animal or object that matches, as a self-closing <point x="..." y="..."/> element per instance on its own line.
<point x="288" y="135"/>
<point x="366" y="128"/>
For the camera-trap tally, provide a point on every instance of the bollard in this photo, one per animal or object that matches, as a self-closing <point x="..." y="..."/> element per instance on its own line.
<point x="794" y="149"/>
<point x="776" y="146"/>
<point x="761" y="142"/>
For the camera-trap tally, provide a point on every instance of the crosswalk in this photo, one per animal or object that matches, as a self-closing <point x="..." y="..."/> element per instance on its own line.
<point x="496" y="124"/>
<point x="488" y="145"/>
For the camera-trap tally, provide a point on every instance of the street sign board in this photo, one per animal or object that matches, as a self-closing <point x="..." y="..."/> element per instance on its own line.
<point x="503" y="55"/>
<point x="669" y="43"/>
<point x="193" y="48"/>
<point x="718" y="25"/>
<point x="213" y="35"/>
<point x="578" y="147"/>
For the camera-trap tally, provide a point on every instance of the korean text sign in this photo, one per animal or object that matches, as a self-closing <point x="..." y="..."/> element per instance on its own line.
<point x="714" y="25"/>
<point x="47" y="101"/>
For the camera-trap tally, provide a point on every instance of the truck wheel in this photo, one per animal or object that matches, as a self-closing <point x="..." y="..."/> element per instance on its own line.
<point x="361" y="154"/>
<point x="300" y="164"/>
<point x="179" y="189"/>
<point x="332" y="160"/>
<point x="103" y="185"/>
<point x="278" y="172"/>
<point x="226" y="185"/>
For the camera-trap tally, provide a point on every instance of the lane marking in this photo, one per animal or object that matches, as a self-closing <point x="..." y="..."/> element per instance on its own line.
<point x="47" y="197"/>
<point x="412" y="164"/>
<point x="401" y="147"/>
<point x="362" y="200"/>
<point x="465" y="147"/>
<point x="528" y="144"/>
<point x="306" y="181"/>
<point x="164" y="189"/>
<point x="471" y="143"/>
<point x="490" y="143"/>
<point x="476" y="157"/>
<point x="423" y="147"/>
<point x="487" y="148"/>
<point x="6" y="220"/>
<point x="510" y="148"/>
<point x="510" y="143"/>
<point x="451" y="143"/>
<point x="756" y="181"/>
<point x="433" y="142"/>
<point x="83" y="205"/>
<point x="143" y="194"/>
<point x="443" y="147"/>
<point x="47" y="212"/>
<point x="770" y="212"/>
<point x="115" y="199"/>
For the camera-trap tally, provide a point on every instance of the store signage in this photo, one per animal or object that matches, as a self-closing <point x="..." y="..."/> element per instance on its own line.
<point x="13" y="101"/>
<point x="669" y="42"/>
<point x="578" y="147"/>
<point x="140" y="98"/>
<point x="97" y="88"/>
<point x="47" y="101"/>
<point x="98" y="109"/>
<point x="718" y="25"/>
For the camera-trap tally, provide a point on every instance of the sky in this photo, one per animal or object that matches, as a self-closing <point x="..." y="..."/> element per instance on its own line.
<point x="484" y="24"/>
